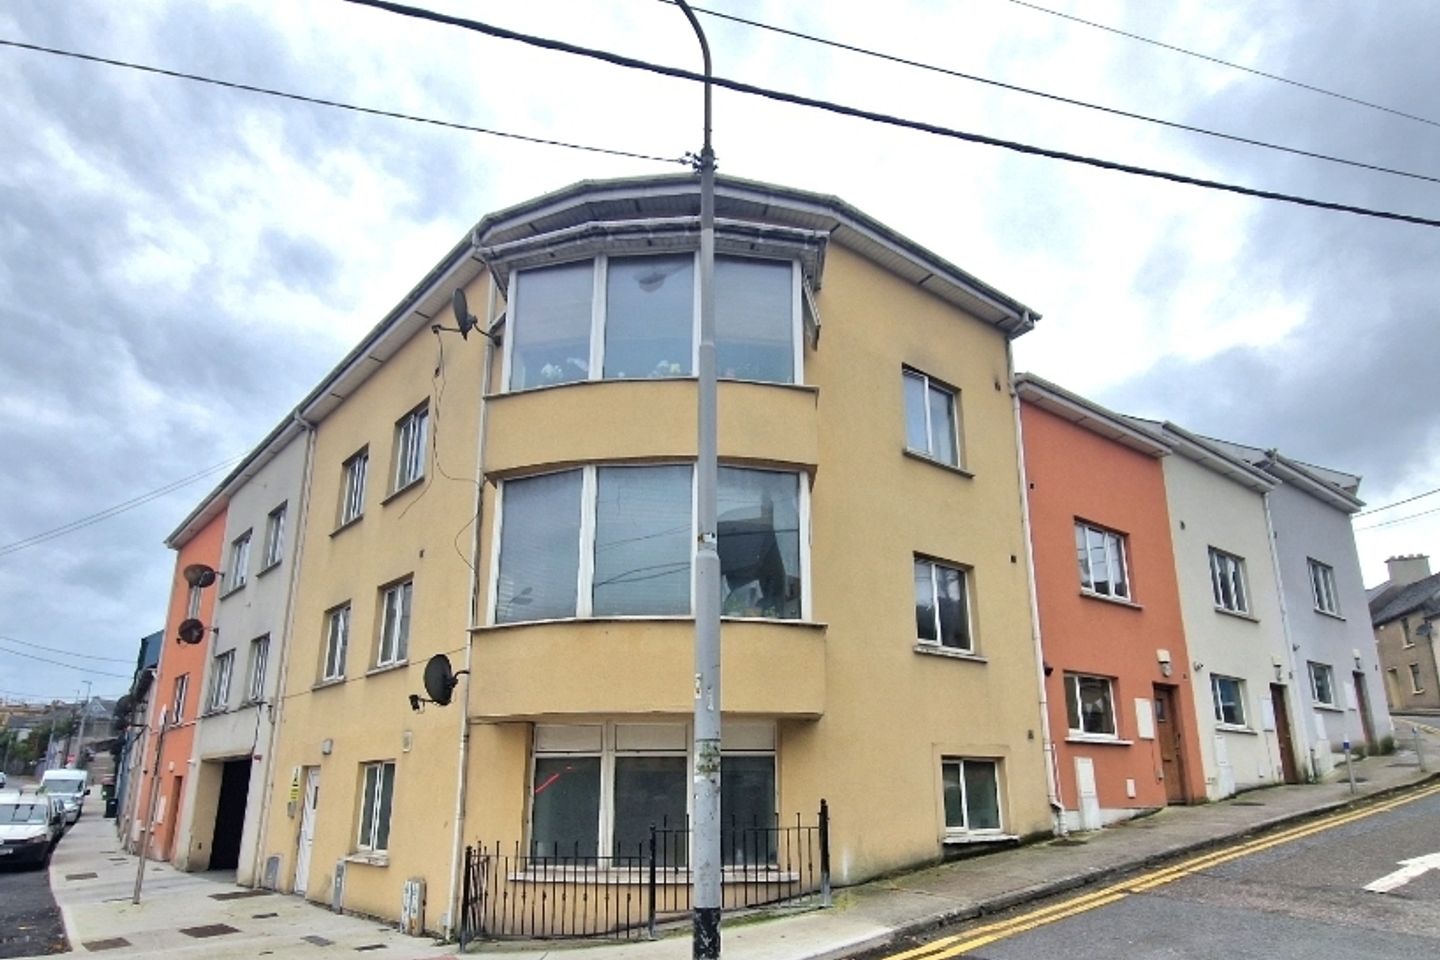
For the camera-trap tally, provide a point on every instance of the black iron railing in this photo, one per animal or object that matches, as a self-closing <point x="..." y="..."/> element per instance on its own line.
<point x="544" y="893"/>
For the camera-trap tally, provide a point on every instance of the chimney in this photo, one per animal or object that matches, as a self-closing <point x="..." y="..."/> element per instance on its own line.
<point x="1408" y="569"/>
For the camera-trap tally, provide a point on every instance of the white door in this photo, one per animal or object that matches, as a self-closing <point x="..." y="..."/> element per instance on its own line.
<point x="307" y="827"/>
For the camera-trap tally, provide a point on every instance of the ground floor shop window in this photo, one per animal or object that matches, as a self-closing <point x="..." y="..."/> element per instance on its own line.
<point x="972" y="795"/>
<point x="598" y="788"/>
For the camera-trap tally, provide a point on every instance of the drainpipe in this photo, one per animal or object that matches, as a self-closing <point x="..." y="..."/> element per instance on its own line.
<point x="462" y="763"/>
<point x="277" y="705"/>
<point x="1052" y="773"/>
<point x="1290" y="643"/>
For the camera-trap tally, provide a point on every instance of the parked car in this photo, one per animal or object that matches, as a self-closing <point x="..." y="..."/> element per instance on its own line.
<point x="31" y="824"/>
<point x="71" y="786"/>
<point x="2" y="779"/>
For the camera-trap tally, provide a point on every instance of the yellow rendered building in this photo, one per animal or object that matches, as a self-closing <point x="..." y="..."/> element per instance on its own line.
<point x="877" y="644"/>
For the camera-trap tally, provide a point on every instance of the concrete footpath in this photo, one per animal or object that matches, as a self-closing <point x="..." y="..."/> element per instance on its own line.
<point x="204" y="915"/>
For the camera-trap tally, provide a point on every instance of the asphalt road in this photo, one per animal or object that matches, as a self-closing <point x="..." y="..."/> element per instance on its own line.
<point x="1304" y="898"/>
<point x="29" y="920"/>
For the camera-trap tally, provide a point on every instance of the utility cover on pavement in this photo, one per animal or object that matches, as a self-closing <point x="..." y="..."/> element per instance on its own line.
<point x="318" y="940"/>
<point x="81" y="876"/>
<point x="239" y="894"/>
<point x="209" y="930"/>
<point x="114" y="943"/>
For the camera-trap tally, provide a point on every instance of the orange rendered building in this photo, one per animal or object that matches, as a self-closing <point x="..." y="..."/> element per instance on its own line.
<point x="179" y="695"/>
<point x="1118" y="700"/>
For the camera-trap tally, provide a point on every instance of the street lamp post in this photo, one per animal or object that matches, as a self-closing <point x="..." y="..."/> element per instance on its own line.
<point x="706" y="896"/>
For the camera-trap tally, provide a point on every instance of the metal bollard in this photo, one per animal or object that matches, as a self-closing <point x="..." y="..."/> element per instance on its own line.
<point x="1419" y="748"/>
<point x="1349" y="768"/>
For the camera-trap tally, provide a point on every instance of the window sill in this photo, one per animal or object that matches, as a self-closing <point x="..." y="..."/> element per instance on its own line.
<point x="512" y="624"/>
<point x="387" y="667"/>
<point x="370" y="859"/>
<point x="267" y="568"/>
<point x="680" y="377"/>
<point x="1329" y="708"/>
<point x="1328" y="613"/>
<point x="926" y="458"/>
<point x="1234" y="728"/>
<point x="399" y="491"/>
<point x="1098" y="740"/>
<point x="234" y="590"/>
<point x="347" y="524"/>
<point x="1104" y="598"/>
<point x="1238" y="614"/>
<point x="960" y="839"/>
<point x="935" y="650"/>
<point x="213" y="712"/>
<point x="327" y="682"/>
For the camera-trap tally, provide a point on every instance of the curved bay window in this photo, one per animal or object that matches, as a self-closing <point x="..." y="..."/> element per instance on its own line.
<point x="645" y="324"/>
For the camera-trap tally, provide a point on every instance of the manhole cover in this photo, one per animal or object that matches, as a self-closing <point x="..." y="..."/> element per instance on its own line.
<point x="114" y="943"/>
<point x="209" y="930"/>
<point x="370" y="946"/>
<point x="318" y="940"/>
<point x="239" y="894"/>
<point x="81" y="876"/>
<point x="1246" y="803"/>
<point x="263" y="916"/>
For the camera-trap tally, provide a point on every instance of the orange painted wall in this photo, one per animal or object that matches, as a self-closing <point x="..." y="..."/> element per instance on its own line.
<point x="1073" y="474"/>
<point x="176" y="659"/>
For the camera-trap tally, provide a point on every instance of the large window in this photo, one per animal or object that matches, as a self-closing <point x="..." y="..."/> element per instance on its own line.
<point x="377" y="790"/>
<point x="618" y="541"/>
<point x="1101" y="554"/>
<point x="1229" y="694"/>
<point x="1227" y="580"/>
<point x="192" y="603"/>
<point x="645" y="323"/>
<point x="931" y="424"/>
<point x="1322" y="684"/>
<point x="239" y="561"/>
<point x="1322" y="588"/>
<point x="220" y="672"/>
<point x="274" y="537"/>
<point x="972" y="795"/>
<point x="259" y="654"/>
<point x="597" y="789"/>
<point x="352" y="493"/>
<point x="394" y="643"/>
<point x="942" y="606"/>
<point x="182" y="687"/>
<point x="410" y="437"/>
<point x="337" y="642"/>
<point x="1416" y="685"/>
<point x="1089" y="706"/>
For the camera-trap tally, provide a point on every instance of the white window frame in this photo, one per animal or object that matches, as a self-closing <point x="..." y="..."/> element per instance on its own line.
<point x="610" y="750"/>
<point x="371" y="805"/>
<point x="1415" y="679"/>
<point x="965" y="586"/>
<point x="1215" y="682"/>
<point x="352" y="486"/>
<point x="182" y="692"/>
<point x="221" y="671"/>
<point x="1113" y="545"/>
<point x="397" y="605"/>
<point x="1229" y="568"/>
<point x="274" y="538"/>
<point x="259" y="654"/>
<point x="584" y="599"/>
<point x="965" y="830"/>
<point x="1322" y="587"/>
<point x="192" y="603"/>
<point x="1317" y="671"/>
<point x="337" y="643"/>
<point x="412" y="436"/>
<point x="1072" y="688"/>
<point x="239" y="562"/>
<point x="600" y="278"/>
<point x="950" y="393"/>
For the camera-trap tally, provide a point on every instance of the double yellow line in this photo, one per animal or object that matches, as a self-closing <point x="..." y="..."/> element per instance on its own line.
<point x="977" y="937"/>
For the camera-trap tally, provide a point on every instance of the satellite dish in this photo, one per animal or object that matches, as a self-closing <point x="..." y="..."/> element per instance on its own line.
<point x="463" y="320"/>
<point x="199" y="575"/>
<point x="192" y="631"/>
<point x="439" y="680"/>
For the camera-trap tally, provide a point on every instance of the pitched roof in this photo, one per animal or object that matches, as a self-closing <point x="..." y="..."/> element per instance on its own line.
<point x="1423" y="593"/>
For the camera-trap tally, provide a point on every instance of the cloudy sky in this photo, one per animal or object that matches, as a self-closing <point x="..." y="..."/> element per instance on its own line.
<point x="180" y="263"/>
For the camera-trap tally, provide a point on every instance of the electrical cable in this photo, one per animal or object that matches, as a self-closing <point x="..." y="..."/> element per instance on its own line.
<point x="67" y="653"/>
<point x="885" y="118"/>
<point x="337" y="104"/>
<point x="1085" y="104"/>
<point x="112" y="511"/>
<point x="1388" y="523"/>
<point x="1226" y="63"/>
<point x="1418" y="496"/>
<point x="98" y="673"/>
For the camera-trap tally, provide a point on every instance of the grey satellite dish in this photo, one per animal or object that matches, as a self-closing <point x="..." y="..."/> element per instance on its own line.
<point x="463" y="319"/>
<point x="439" y="680"/>
<point x="199" y="575"/>
<point x="191" y="632"/>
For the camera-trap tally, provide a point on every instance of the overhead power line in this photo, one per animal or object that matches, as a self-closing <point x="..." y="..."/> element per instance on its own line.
<point x="89" y="670"/>
<point x="885" y="118"/>
<point x="113" y="511"/>
<point x="336" y="104"/>
<point x="1227" y="63"/>
<point x="1069" y="101"/>
<point x="1391" y="523"/>
<point x="1418" y="496"/>
<point x="66" y="653"/>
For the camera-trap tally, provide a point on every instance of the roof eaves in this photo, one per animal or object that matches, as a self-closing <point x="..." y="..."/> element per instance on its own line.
<point x="1088" y="415"/>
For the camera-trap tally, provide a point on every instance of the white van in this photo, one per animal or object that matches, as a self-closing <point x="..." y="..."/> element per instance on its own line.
<point x="71" y="786"/>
